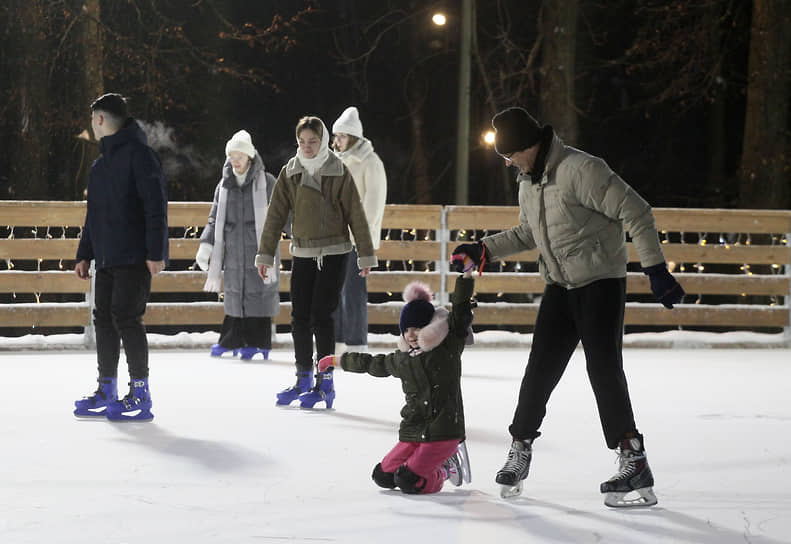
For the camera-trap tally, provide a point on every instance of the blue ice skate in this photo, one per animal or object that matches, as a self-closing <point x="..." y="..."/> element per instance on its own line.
<point x="247" y="353"/>
<point x="95" y="405"/>
<point x="217" y="350"/>
<point x="135" y="406"/>
<point x="324" y="391"/>
<point x="290" y="394"/>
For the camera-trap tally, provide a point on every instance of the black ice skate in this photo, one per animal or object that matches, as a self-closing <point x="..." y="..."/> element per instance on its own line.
<point x="515" y="470"/>
<point x="633" y="484"/>
<point x="457" y="466"/>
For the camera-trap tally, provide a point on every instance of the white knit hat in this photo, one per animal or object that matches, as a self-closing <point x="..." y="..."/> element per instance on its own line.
<point x="242" y="142"/>
<point x="349" y="123"/>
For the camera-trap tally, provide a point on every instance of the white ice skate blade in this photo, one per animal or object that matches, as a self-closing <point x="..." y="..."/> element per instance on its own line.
<point x="631" y="499"/>
<point x="95" y="413"/>
<point x="511" y="491"/>
<point x="131" y="416"/>
<point x="464" y="458"/>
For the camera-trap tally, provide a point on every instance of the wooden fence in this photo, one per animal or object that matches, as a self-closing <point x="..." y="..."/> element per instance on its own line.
<point x="733" y="264"/>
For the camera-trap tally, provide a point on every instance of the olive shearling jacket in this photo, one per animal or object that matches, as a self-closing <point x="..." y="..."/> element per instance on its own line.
<point x="323" y="207"/>
<point x="430" y="380"/>
<point x="576" y="217"/>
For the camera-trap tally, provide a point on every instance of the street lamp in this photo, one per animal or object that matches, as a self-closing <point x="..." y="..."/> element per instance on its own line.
<point x="463" y="112"/>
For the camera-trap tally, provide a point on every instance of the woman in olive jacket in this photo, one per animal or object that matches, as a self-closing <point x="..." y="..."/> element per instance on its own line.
<point x="317" y="191"/>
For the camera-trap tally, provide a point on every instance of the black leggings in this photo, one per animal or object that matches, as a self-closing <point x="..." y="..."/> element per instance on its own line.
<point x="314" y="297"/>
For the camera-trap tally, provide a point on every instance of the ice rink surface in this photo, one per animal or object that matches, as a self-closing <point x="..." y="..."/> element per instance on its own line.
<point x="221" y="463"/>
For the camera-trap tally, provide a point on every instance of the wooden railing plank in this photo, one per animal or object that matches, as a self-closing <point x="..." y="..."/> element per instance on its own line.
<point x="689" y="253"/>
<point x="669" y="219"/>
<point x="42" y="213"/>
<point x="211" y="313"/>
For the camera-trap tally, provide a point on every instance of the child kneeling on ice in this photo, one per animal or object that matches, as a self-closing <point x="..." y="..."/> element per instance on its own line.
<point x="428" y="362"/>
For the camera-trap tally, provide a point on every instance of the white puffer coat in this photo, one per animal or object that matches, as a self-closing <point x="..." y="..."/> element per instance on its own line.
<point x="369" y="176"/>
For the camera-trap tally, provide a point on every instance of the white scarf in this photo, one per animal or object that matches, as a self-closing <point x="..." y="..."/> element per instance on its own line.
<point x="260" y="206"/>
<point x="312" y="165"/>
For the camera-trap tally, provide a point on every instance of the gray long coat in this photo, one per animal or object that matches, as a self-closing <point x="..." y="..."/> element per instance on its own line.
<point x="246" y="295"/>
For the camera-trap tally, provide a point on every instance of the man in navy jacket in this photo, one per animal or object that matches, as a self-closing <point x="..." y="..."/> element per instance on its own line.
<point x="126" y="234"/>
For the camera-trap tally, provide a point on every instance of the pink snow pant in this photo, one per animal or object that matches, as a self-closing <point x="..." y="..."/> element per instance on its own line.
<point x="424" y="459"/>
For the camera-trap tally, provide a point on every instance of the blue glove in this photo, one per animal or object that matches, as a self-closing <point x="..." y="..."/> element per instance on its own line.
<point x="665" y="287"/>
<point x="475" y="251"/>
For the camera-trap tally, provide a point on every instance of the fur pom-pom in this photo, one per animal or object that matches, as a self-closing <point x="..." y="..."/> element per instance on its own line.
<point x="417" y="290"/>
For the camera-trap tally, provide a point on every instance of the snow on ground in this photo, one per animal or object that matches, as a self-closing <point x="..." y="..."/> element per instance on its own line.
<point x="220" y="463"/>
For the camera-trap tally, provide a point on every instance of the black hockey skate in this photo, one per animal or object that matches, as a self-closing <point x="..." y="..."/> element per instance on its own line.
<point x="633" y="484"/>
<point x="515" y="470"/>
<point x="457" y="466"/>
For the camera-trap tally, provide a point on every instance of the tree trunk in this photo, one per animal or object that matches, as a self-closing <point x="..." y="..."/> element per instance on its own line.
<point x="29" y="156"/>
<point x="416" y="98"/>
<point x="93" y="82"/>
<point x="764" y="170"/>
<point x="716" y="193"/>
<point x="558" y="26"/>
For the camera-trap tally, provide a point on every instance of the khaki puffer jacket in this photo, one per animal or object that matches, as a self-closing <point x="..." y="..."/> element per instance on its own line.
<point x="576" y="217"/>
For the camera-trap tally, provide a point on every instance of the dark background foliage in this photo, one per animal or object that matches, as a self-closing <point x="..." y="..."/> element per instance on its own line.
<point x="658" y="88"/>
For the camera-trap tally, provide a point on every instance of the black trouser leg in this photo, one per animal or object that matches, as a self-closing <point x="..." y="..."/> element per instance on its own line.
<point x="238" y="332"/>
<point x="554" y="338"/>
<point x="314" y="296"/>
<point x="120" y="302"/>
<point x="326" y="295"/>
<point x="599" y="309"/>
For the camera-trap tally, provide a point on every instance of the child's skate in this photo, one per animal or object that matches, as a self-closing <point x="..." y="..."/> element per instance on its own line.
<point x="457" y="466"/>
<point x="515" y="470"/>
<point x="633" y="484"/>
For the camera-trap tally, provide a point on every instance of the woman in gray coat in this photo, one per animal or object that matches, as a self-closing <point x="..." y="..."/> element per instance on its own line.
<point x="228" y="247"/>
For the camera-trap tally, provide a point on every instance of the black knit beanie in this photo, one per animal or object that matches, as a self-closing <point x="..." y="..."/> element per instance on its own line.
<point x="417" y="313"/>
<point x="515" y="130"/>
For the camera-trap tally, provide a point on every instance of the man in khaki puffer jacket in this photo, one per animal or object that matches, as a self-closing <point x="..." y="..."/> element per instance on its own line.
<point x="573" y="209"/>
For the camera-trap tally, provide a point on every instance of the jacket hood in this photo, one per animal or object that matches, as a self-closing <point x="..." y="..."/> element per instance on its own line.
<point x="432" y="334"/>
<point x="131" y="131"/>
<point x="359" y="151"/>
<point x="555" y="154"/>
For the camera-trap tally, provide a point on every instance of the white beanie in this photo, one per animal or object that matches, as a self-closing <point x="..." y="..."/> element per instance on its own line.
<point x="241" y="142"/>
<point x="349" y="123"/>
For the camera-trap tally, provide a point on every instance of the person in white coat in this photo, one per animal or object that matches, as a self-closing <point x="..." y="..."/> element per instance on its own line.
<point x="368" y="172"/>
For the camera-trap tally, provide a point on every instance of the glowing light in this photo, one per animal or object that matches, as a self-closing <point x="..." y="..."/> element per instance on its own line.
<point x="439" y="19"/>
<point x="488" y="137"/>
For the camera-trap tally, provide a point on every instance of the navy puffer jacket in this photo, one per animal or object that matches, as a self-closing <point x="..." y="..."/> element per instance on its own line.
<point x="126" y="221"/>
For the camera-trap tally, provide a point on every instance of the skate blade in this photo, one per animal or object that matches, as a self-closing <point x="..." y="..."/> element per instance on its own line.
<point x="511" y="491"/>
<point x="91" y="414"/>
<point x="631" y="499"/>
<point x="133" y="415"/>
<point x="464" y="462"/>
